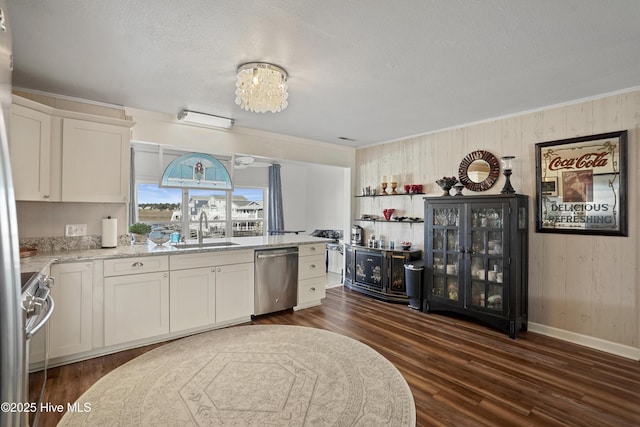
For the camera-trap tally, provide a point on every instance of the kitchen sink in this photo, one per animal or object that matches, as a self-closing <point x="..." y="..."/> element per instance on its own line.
<point x="203" y="245"/>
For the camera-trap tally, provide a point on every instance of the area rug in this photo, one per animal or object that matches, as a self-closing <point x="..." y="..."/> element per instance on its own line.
<point x="257" y="375"/>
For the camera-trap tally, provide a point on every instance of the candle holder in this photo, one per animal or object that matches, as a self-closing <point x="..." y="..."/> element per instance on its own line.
<point x="384" y="188"/>
<point x="506" y="167"/>
<point x="393" y="187"/>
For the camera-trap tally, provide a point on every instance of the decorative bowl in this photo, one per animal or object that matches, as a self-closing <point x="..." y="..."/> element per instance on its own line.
<point x="405" y="245"/>
<point x="446" y="183"/>
<point x="159" y="237"/>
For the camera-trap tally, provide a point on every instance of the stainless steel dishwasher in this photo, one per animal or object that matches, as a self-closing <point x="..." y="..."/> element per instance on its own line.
<point x="276" y="279"/>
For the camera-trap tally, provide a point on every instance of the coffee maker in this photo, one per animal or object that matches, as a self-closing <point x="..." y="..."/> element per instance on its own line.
<point x="357" y="235"/>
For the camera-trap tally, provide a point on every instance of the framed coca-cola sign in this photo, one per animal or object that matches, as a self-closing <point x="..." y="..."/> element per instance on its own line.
<point x="582" y="185"/>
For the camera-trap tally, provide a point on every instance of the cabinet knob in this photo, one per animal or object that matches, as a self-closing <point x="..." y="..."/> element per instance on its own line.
<point x="313" y="289"/>
<point x="312" y="248"/>
<point x="45" y="196"/>
<point x="165" y="275"/>
<point x="219" y="270"/>
<point x="312" y="266"/>
<point x="137" y="264"/>
<point x="49" y="281"/>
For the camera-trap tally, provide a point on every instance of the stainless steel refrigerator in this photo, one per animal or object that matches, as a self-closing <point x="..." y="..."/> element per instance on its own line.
<point x="12" y="369"/>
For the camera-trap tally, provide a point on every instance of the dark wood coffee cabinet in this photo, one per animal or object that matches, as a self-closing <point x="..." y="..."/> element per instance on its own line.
<point x="378" y="272"/>
<point x="476" y="258"/>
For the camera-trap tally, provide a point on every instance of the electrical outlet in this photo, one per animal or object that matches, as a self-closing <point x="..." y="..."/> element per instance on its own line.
<point x="73" y="230"/>
<point x="81" y="229"/>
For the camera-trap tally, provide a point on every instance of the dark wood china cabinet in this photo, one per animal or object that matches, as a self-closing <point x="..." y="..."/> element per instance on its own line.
<point x="476" y="258"/>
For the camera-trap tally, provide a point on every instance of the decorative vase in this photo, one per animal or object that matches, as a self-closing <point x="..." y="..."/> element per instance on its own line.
<point x="387" y="213"/>
<point x="446" y="183"/>
<point x="139" y="239"/>
<point x="459" y="188"/>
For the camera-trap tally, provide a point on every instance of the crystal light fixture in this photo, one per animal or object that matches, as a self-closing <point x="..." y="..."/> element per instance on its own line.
<point x="506" y="167"/>
<point x="261" y="87"/>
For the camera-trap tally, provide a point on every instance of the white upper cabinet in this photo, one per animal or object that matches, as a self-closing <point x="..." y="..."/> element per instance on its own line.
<point x="30" y="149"/>
<point x="59" y="155"/>
<point x="95" y="162"/>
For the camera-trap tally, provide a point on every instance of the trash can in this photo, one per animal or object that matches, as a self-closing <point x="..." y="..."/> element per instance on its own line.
<point x="413" y="273"/>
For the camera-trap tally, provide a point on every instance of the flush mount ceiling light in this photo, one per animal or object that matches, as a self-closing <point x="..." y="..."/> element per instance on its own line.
<point x="261" y="87"/>
<point x="204" y="119"/>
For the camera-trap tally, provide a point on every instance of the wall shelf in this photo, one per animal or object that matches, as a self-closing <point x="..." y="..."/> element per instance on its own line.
<point x="384" y="220"/>
<point x="391" y="195"/>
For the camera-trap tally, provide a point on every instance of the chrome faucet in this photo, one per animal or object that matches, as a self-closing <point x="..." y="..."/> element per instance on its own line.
<point x="206" y="224"/>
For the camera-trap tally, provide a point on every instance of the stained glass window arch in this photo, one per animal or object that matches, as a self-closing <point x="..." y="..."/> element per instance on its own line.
<point x="196" y="170"/>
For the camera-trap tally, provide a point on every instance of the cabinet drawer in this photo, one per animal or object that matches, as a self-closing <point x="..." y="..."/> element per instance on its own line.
<point x="147" y="264"/>
<point x="311" y="290"/>
<point x="310" y="267"/>
<point x="210" y="259"/>
<point x="309" y="250"/>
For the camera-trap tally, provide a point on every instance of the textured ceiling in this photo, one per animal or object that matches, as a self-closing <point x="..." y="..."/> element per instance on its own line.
<point x="371" y="70"/>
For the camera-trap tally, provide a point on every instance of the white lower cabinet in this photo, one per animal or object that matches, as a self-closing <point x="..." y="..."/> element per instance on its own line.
<point x="311" y="291"/>
<point x="193" y="298"/>
<point x="70" y="326"/>
<point x="130" y="301"/>
<point x="210" y="288"/>
<point x="234" y="291"/>
<point x="311" y="275"/>
<point x="136" y="306"/>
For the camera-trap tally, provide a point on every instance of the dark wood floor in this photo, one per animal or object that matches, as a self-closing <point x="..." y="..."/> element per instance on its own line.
<point x="461" y="373"/>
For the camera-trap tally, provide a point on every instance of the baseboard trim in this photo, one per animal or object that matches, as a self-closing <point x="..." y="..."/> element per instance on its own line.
<point x="587" y="341"/>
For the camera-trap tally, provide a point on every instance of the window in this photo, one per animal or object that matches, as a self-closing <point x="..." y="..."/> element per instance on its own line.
<point x="236" y="214"/>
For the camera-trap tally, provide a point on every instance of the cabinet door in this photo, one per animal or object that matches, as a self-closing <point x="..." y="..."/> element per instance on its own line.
<point x="70" y="325"/>
<point x="30" y="150"/>
<point x="234" y="292"/>
<point x="95" y="162"/>
<point x="395" y="273"/>
<point x="193" y="298"/>
<point x="489" y="243"/>
<point x="442" y="252"/>
<point x="135" y="307"/>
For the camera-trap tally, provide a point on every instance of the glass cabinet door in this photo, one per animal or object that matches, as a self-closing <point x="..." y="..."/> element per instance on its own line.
<point x="445" y="253"/>
<point x="396" y="263"/>
<point x="487" y="262"/>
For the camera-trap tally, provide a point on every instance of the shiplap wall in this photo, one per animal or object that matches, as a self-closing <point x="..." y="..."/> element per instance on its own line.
<point x="585" y="285"/>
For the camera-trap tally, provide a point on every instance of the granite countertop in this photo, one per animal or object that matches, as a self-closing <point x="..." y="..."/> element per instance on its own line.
<point x="41" y="262"/>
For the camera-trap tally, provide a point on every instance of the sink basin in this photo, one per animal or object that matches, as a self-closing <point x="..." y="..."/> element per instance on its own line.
<point x="203" y="245"/>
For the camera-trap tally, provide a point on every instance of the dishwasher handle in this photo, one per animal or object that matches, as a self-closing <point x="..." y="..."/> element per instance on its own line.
<point x="276" y="255"/>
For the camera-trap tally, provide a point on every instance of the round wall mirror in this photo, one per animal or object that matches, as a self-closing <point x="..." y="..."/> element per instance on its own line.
<point x="479" y="170"/>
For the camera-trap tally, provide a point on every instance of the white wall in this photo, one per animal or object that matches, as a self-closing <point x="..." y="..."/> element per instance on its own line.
<point x="581" y="288"/>
<point x="314" y="197"/>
